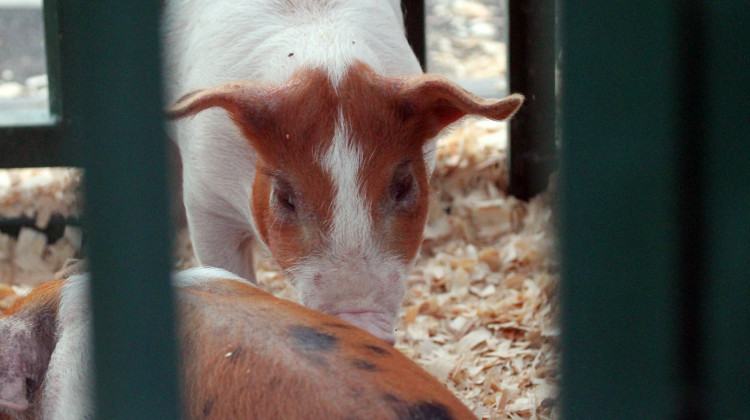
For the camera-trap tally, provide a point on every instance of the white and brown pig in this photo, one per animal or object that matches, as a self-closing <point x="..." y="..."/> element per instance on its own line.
<point x="312" y="129"/>
<point x="244" y="355"/>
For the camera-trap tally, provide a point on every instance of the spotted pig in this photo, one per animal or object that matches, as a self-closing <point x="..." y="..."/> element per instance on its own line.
<point x="245" y="354"/>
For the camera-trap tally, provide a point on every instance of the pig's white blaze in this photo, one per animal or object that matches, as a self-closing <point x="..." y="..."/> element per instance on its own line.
<point x="350" y="275"/>
<point x="352" y="223"/>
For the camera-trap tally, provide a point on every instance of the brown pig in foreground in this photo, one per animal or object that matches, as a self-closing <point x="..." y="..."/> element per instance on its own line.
<point x="244" y="354"/>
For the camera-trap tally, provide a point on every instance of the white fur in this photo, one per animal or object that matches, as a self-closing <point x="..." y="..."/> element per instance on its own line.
<point x="352" y="224"/>
<point x="201" y="276"/>
<point x="210" y="42"/>
<point x="214" y="41"/>
<point x="67" y="385"/>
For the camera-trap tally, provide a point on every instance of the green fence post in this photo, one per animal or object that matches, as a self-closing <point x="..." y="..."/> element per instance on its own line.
<point x="619" y="233"/>
<point x="727" y="168"/>
<point x="114" y="102"/>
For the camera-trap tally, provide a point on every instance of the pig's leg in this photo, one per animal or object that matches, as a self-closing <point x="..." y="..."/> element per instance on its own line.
<point x="222" y="242"/>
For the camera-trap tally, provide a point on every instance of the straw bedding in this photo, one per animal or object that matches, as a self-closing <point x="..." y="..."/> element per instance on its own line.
<point x="480" y="307"/>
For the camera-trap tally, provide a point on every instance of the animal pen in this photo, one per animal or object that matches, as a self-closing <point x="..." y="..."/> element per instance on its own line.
<point x="646" y="102"/>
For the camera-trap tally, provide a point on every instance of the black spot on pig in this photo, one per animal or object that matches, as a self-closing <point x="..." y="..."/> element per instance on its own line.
<point x="423" y="411"/>
<point x="417" y="411"/>
<point x="364" y="365"/>
<point x="208" y="406"/>
<point x="376" y="350"/>
<point x="310" y="339"/>
<point x="316" y="359"/>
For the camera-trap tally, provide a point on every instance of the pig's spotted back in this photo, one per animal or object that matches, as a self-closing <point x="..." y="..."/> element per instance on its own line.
<point x="277" y="359"/>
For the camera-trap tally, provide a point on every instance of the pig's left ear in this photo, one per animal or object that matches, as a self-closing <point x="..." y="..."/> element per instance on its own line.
<point x="436" y="102"/>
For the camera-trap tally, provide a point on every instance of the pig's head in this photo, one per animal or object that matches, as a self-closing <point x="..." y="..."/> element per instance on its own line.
<point x="341" y="186"/>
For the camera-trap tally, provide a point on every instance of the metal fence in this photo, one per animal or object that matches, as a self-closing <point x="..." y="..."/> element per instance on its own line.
<point x="655" y="223"/>
<point x="655" y="211"/>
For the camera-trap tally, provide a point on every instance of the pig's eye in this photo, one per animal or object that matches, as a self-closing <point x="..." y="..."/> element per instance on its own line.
<point x="284" y="201"/>
<point x="403" y="189"/>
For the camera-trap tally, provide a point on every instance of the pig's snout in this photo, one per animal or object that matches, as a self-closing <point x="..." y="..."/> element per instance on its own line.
<point x="372" y="322"/>
<point x="365" y="290"/>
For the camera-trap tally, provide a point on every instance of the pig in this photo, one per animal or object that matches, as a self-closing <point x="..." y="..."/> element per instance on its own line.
<point x="244" y="354"/>
<point x="309" y="126"/>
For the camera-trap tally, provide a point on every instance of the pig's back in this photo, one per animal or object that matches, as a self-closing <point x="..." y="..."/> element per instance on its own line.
<point x="208" y="42"/>
<point x="269" y="358"/>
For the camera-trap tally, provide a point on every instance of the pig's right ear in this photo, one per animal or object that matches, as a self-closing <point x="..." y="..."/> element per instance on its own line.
<point x="244" y="101"/>
<point x="25" y="352"/>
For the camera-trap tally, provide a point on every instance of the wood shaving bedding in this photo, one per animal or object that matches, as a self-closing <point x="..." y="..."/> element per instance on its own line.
<point x="37" y="194"/>
<point x="480" y="308"/>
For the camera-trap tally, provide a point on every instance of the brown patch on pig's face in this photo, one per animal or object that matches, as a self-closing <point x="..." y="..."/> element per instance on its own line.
<point x="341" y="191"/>
<point x="292" y="193"/>
<point x="327" y="153"/>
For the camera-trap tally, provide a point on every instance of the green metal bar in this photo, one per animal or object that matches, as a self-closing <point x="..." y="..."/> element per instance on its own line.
<point x="727" y="166"/>
<point x="619" y="227"/>
<point x="113" y="94"/>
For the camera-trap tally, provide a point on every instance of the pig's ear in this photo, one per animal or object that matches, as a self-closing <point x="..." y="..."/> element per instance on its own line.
<point x="24" y="358"/>
<point x="436" y="102"/>
<point x="242" y="99"/>
<point x="250" y="105"/>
